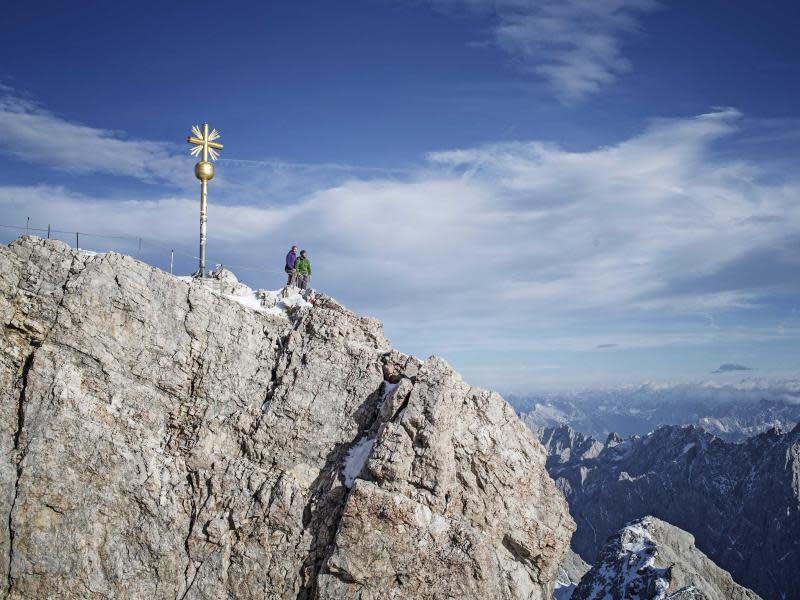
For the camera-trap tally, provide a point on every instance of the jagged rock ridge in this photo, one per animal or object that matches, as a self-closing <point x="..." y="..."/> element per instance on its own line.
<point x="740" y="501"/>
<point x="652" y="560"/>
<point x="160" y="440"/>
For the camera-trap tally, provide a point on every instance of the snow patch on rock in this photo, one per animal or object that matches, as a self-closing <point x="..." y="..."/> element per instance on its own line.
<point x="356" y="459"/>
<point x="626" y="569"/>
<point x="650" y="558"/>
<point x="223" y="282"/>
<point x="388" y="388"/>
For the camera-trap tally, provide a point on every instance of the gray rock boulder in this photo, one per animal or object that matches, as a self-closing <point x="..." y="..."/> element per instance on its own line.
<point x="227" y="281"/>
<point x="650" y="559"/>
<point x="158" y="439"/>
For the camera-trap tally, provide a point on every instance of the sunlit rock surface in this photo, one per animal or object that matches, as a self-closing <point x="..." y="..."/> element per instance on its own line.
<point x="163" y="440"/>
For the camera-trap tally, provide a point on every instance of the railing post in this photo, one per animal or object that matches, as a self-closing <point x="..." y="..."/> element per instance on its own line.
<point x="27" y="225"/>
<point x="77" y="241"/>
<point x="171" y="260"/>
<point x="48" y="231"/>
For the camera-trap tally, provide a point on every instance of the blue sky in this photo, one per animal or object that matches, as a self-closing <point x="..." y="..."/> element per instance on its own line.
<point x="547" y="194"/>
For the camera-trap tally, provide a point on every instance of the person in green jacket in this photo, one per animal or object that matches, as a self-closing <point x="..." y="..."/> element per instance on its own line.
<point x="303" y="269"/>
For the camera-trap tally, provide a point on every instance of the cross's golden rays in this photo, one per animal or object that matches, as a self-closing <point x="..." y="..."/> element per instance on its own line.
<point x="203" y="141"/>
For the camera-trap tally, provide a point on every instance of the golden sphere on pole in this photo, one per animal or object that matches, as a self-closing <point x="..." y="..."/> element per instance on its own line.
<point x="204" y="170"/>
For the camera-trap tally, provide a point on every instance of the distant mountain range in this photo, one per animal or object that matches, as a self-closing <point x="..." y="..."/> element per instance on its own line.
<point x="741" y="501"/>
<point x="732" y="412"/>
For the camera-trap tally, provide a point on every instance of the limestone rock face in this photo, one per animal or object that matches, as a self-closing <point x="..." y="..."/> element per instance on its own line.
<point x="650" y="559"/>
<point x="160" y="440"/>
<point x="453" y="493"/>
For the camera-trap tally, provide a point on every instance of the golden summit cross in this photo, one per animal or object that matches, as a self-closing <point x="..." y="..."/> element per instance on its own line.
<point x="203" y="142"/>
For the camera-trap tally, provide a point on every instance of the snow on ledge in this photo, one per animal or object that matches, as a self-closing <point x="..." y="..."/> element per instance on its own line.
<point x="388" y="388"/>
<point x="268" y="302"/>
<point x="356" y="459"/>
<point x="276" y="303"/>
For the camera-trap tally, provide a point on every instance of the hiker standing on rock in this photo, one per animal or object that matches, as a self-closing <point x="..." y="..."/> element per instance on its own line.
<point x="291" y="258"/>
<point x="303" y="270"/>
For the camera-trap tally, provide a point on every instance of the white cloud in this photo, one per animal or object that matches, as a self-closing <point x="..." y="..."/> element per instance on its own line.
<point x="517" y="246"/>
<point x="575" y="45"/>
<point x="34" y="134"/>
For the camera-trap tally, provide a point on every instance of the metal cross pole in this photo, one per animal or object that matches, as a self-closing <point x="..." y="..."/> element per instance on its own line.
<point x="204" y="143"/>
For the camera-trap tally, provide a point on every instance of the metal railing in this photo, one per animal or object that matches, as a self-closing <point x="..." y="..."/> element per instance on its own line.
<point x="138" y="246"/>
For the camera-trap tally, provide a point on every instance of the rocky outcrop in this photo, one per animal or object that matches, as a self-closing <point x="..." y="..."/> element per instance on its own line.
<point x="572" y="570"/>
<point x="652" y="560"/>
<point x="567" y="446"/>
<point x="160" y="440"/>
<point x="417" y="502"/>
<point x="740" y="501"/>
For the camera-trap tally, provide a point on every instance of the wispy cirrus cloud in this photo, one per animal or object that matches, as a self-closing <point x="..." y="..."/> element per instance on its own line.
<point x="574" y="45"/>
<point x="34" y="134"/>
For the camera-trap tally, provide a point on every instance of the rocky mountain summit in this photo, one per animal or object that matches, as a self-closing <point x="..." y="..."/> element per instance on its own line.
<point x="740" y="501"/>
<point x="652" y="560"/>
<point x="161" y="439"/>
